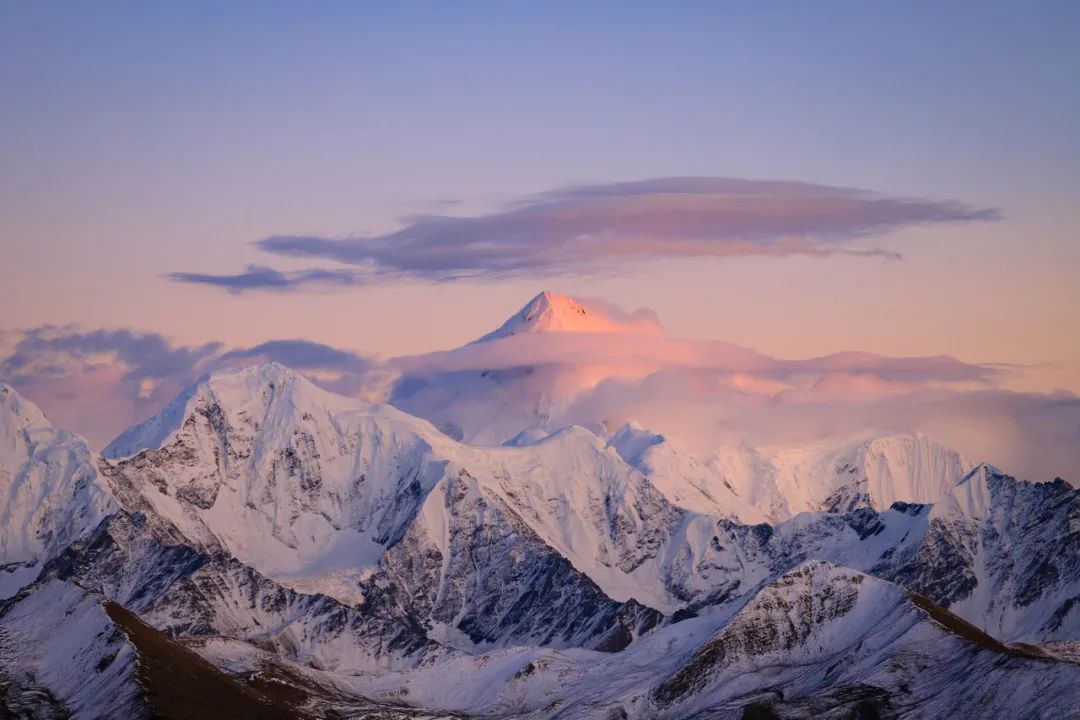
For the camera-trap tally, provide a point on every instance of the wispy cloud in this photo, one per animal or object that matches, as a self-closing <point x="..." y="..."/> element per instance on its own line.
<point x="99" y="382"/>
<point x="592" y="229"/>
<point x="629" y="350"/>
<point x="300" y="354"/>
<point x="258" y="277"/>
<point x="145" y="355"/>
<point x="335" y="369"/>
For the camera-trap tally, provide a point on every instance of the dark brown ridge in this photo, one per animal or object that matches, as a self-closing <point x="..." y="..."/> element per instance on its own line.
<point x="180" y="685"/>
<point x="958" y="626"/>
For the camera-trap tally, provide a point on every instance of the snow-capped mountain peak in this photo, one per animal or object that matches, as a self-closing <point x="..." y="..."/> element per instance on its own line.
<point x="50" y="492"/>
<point x="907" y="468"/>
<point x="970" y="497"/>
<point x="632" y="441"/>
<point x="287" y="476"/>
<point x="241" y="388"/>
<point x="20" y="412"/>
<point x="551" y="312"/>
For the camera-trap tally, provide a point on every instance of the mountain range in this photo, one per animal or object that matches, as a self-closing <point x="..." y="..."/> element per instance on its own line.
<point x="262" y="547"/>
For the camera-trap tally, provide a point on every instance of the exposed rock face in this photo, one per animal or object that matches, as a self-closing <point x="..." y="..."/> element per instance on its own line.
<point x="875" y="652"/>
<point x="188" y="593"/>
<point x="493" y="579"/>
<point x="1004" y="555"/>
<point x="262" y="464"/>
<point x="774" y="623"/>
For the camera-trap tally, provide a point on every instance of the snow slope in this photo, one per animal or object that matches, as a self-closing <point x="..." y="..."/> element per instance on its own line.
<point x="50" y="492"/>
<point x="821" y="641"/>
<point x="758" y="485"/>
<point x="1005" y="555"/>
<point x="285" y="476"/>
<point x="836" y="639"/>
<point x="310" y="488"/>
<point x="61" y="656"/>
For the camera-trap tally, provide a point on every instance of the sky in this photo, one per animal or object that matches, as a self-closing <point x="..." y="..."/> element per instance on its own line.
<point x="380" y="179"/>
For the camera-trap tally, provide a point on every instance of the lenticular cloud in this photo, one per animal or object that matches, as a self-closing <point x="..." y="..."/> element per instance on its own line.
<point x="591" y="229"/>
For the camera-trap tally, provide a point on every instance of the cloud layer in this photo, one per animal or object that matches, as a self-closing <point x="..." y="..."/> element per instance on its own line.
<point x="99" y="382"/>
<point x="704" y="395"/>
<point x="629" y="350"/>
<point x="710" y="395"/>
<point x="594" y="229"/>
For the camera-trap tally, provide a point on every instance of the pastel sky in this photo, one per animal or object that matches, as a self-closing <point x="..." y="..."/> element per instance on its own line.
<point x="391" y="178"/>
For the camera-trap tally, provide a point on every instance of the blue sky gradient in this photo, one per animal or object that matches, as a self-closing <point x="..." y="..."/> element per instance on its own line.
<point x="140" y="140"/>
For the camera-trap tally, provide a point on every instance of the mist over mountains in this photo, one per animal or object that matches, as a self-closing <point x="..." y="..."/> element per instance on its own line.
<point x="561" y="361"/>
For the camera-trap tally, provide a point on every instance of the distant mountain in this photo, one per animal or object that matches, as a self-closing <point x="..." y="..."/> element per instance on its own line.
<point x="549" y="312"/>
<point x="490" y="405"/>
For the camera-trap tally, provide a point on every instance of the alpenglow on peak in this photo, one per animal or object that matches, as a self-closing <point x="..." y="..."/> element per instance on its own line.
<point x="551" y="312"/>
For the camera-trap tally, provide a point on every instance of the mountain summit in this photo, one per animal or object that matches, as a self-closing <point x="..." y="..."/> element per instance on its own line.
<point x="550" y="312"/>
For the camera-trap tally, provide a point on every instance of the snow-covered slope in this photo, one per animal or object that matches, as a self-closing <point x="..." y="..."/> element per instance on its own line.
<point x="70" y="654"/>
<point x="289" y="478"/>
<point x="474" y="570"/>
<point x="873" y="473"/>
<point x="50" y="492"/>
<point x="1005" y="555"/>
<point x="824" y="640"/>
<point x="684" y="479"/>
<point x="310" y="488"/>
<point x="62" y="657"/>
<point x="756" y="485"/>
<point x="142" y="563"/>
